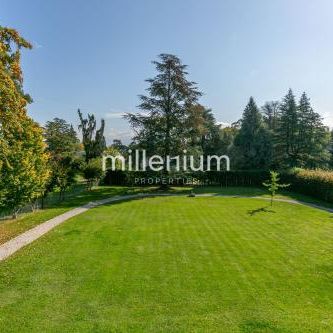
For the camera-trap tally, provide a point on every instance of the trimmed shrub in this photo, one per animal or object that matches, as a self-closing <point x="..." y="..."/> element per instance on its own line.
<point x="316" y="183"/>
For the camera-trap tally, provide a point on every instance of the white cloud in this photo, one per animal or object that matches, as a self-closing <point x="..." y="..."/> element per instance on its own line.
<point x="113" y="133"/>
<point x="223" y="124"/>
<point x="113" y="115"/>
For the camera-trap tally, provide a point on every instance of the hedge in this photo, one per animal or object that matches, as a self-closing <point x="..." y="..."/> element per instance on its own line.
<point x="316" y="183"/>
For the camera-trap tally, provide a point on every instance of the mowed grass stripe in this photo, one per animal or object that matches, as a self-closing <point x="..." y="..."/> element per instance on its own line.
<point x="173" y="265"/>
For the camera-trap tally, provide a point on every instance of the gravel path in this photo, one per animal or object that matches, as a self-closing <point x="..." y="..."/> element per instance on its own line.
<point x="15" y="244"/>
<point x="10" y="247"/>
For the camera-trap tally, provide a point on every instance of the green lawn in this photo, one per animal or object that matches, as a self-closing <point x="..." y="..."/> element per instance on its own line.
<point x="10" y="228"/>
<point x="176" y="264"/>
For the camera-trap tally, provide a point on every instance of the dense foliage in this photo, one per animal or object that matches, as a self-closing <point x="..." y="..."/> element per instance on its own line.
<point x="92" y="172"/>
<point x="93" y="139"/>
<point x="23" y="167"/>
<point x="253" y="142"/>
<point x="280" y="135"/>
<point x="64" y="148"/>
<point x="289" y="134"/>
<point x="171" y="119"/>
<point x="317" y="183"/>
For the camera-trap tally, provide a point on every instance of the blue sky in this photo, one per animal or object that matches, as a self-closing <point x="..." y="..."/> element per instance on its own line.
<point x="95" y="55"/>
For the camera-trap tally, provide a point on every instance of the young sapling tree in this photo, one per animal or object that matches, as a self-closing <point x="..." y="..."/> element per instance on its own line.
<point x="273" y="184"/>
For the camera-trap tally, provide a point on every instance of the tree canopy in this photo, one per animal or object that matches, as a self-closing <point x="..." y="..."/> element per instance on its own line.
<point x="23" y="167"/>
<point x="161" y="126"/>
<point x="92" y="138"/>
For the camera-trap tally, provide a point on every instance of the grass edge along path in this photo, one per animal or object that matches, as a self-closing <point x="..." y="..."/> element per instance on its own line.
<point x="10" y="228"/>
<point x="175" y="264"/>
<point x="15" y="244"/>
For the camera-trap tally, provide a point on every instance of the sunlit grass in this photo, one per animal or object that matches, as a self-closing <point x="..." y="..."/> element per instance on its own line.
<point x="175" y="264"/>
<point x="10" y="228"/>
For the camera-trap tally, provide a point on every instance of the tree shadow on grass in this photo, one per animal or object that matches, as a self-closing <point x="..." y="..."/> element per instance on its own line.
<point x="256" y="326"/>
<point x="265" y="209"/>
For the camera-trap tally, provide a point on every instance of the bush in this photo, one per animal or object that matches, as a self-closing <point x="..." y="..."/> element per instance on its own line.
<point x="317" y="183"/>
<point x="92" y="172"/>
<point x="116" y="177"/>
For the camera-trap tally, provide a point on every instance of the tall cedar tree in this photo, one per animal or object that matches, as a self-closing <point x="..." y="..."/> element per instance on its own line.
<point x="313" y="136"/>
<point x="161" y="127"/>
<point x="93" y="140"/>
<point x="23" y="166"/>
<point x="301" y="139"/>
<point x="271" y="114"/>
<point x="253" y="141"/>
<point x="287" y="142"/>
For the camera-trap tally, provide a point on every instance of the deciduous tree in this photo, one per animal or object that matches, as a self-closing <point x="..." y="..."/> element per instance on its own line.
<point x="65" y="150"/>
<point x="23" y="166"/>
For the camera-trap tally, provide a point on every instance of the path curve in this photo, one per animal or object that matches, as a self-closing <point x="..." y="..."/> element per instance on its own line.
<point x="18" y="242"/>
<point x="291" y="201"/>
<point x="13" y="245"/>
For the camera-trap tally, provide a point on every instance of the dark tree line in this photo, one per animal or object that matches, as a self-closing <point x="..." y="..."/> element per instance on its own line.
<point x="282" y="134"/>
<point x="279" y="135"/>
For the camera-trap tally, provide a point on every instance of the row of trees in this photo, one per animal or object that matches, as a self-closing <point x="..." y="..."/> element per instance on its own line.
<point x="35" y="161"/>
<point x="282" y="134"/>
<point x="68" y="157"/>
<point x="279" y="135"/>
